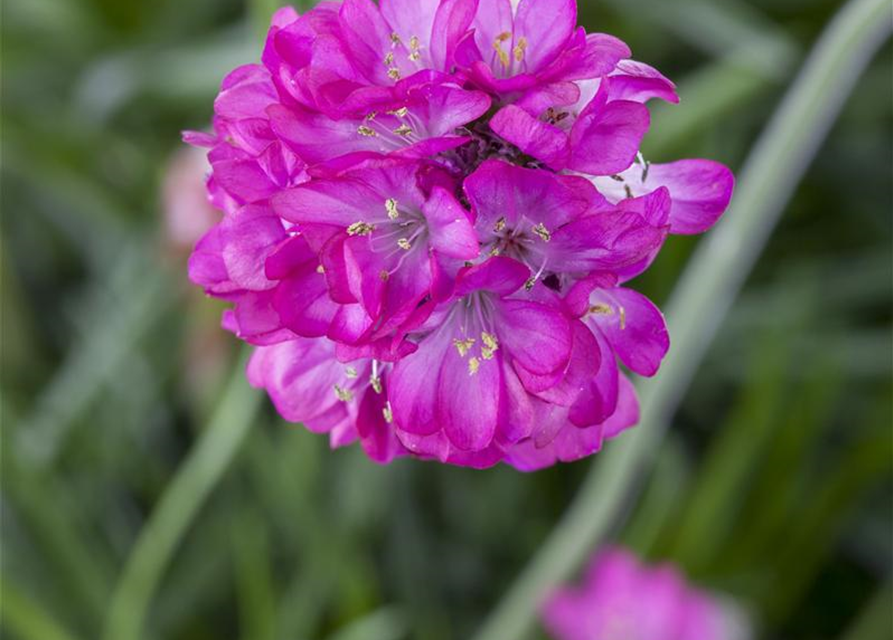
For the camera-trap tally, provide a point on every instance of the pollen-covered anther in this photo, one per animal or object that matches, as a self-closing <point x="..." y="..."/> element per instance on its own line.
<point x="622" y="318"/>
<point x="395" y="40"/>
<point x="390" y="206"/>
<point x="321" y="270"/>
<point x="403" y="130"/>
<point x="351" y="373"/>
<point x="497" y="45"/>
<point x="394" y="73"/>
<point x="402" y="112"/>
<point x="463" y="346"/>
<point x="414" y="45"/>
<point x="404" y="244"/>
<point x="387" y="413"/>
<point x="544" y="234"/>
<point x="363" y="130"/>
<point x="389" y="59"/>
<point x="519" y="49"/>
<point x="500" y="225"/>
<point x="491" y="345"/>
<point x="601" y="309"/>
<point x="344" y="395"/>
<point x="360" y="228"/>
<point x="531" y="282"/>
<point x="384" y="275"/>
<point x="375" y="381"/>
<point x="474" y="365"/>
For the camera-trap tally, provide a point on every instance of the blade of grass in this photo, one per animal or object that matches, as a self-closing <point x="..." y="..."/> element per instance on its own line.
<point x="703" y="297"/>
<point x="26" y="619"/>
<point x="718" y="495"/>
<point x="385" y="624"/>
<point x="95" y="361"/>
<point x="182" y="500"/>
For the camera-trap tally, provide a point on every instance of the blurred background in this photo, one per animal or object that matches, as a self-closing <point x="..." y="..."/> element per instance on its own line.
<point x="773" y="485"/>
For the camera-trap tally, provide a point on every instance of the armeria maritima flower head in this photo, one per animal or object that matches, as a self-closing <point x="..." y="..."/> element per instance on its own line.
<point x="431" y="213"/>
<point x="621" y="598"/>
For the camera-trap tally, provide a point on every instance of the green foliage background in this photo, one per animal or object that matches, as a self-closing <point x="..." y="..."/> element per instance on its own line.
<point x="772" y="486"/>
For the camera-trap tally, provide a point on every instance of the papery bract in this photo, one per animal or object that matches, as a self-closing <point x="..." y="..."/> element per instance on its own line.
<point x="432" y="210"/>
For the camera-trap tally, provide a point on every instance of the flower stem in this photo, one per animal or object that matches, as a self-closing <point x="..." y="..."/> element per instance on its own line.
<point x="703" y="296"/>
<point x="184" y="496"/>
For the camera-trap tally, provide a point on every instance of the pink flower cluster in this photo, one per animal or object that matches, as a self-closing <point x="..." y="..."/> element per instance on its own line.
<point x="430" y="211"/>
<point x="620" y="598"/>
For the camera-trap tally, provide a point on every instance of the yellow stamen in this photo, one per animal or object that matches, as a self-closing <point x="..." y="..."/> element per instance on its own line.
<point x="463" y="346"/>
<point x="395" y="39"/>
<point x="360" y="228"/>
<point x="622" y="318"/>
<point x="414" y="43"/>
<point x="390" y="206"/>
<point x="497" y="45"/>
<point x="400" y="113"/>
<point x="389" y="59"/>
<point x="503" y="56"/>
<point x="403" y="130"/>
<point x="500" y="225"/>
<point x="404" y="244"/>
<point x="601" y="309"/>
<point x="415" y="56"/>
<point x="344" y="395"/>
<point x="520" y="48"/>
<point x="363" y="130"/>
<point x="474" y="366"/>
<point x="544" y="234"/>
<point x="394" y="73"/>
<point x="491" y="345"/>
<point x="350" y="372"/>
<point x="375" y="381"/>
<point x="387" y="413"/>
<point x="531" y="282"/>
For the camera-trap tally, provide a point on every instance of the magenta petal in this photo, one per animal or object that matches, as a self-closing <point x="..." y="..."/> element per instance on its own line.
<point x="413" y="386"/>
<point x="537" y="337"/>
<point x="700" y="189"/>
<point x="468" y="401"/>
<point x="452" y="233"/>
<point x="546" y="25"/>
<point x="493" y="17"/>
<point x="559" y="94"/>
<point x="598" y="399"/>
<point x="502" y="276"/>
<point x="634" y="327"/>
<point x="451" y="24"/>
<point x="606" y="140"/>
<point x="376" y="435"/>
<point x="300" y="376"/>
<point x="639" y="82"/>
<point x="533" y="136"/>
<point x="601" y="56"/>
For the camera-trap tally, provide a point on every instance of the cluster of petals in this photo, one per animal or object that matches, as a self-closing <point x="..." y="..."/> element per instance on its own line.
<point x="431" y="209"/>
<point x="622" y="598"/>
